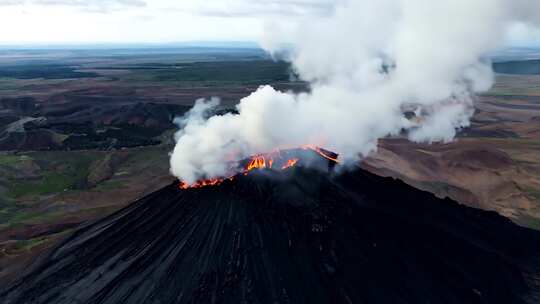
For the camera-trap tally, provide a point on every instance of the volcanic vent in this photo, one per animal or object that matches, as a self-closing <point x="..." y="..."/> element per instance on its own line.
<point x="291" y="234"/>
<point x="311" y="156"/>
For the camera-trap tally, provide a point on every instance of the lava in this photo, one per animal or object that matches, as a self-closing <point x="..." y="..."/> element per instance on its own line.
<point x="257" y="162"/>
<point x="290" y="163"/>
<point x="263" y="161"/>
<point x="324" y="153"/>
<point x="204" y="183"/>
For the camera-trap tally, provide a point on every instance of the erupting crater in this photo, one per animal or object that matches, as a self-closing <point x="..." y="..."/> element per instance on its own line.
<point x="308" y="155"/>
<point x="297" y="235"/>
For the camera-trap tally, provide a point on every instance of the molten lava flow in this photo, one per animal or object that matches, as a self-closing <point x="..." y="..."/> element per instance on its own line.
<point x="324" y="153"/>
<point x="264" y="161"/>
<point x="290" y="163"/>
<point x="257" y="162"/>
<point x="204" y="183"/>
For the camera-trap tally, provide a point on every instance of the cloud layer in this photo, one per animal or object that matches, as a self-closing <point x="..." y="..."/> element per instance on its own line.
<point x="239" y="8"/>
<point x="91" y="5"/>
<point x="218" y="8"/>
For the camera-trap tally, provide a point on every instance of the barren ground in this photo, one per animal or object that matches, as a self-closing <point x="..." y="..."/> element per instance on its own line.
<point x="82" y="136"/>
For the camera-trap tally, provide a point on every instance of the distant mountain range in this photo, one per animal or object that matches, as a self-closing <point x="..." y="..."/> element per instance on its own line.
<point x="172" y="45"/>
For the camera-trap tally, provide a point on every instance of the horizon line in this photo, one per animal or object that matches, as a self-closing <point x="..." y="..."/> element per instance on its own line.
<point x="91" y="45"/>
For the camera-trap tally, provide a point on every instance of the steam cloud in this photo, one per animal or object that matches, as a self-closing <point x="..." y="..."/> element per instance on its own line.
<point x="368" y="62"/>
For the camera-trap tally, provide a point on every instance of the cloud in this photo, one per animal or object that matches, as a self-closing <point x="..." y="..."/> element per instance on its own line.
<point x="87" y="5"/>
<point x="247" y="8"/>
<point x="523" y="34"/>
<point x="11" y="2"/>
<point x="214" y="8"/>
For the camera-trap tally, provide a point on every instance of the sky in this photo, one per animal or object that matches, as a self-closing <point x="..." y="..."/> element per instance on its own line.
<point x="163" y="21"/>
<point x="153" y="21"/>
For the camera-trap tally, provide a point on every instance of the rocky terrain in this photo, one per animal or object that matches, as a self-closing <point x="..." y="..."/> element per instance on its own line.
<point x="76" y="149"/>
<point x="493" y="165"/>
<point x="298" y="235"/>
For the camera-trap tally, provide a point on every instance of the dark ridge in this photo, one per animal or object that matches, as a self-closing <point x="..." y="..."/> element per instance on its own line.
<point x="293" y="236"/>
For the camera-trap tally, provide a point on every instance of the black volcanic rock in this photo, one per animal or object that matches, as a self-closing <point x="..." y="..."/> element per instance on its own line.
<point x="293" y="236"/>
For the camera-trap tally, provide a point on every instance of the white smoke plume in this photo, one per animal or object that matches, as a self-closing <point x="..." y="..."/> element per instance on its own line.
<point x="367" y="63"/>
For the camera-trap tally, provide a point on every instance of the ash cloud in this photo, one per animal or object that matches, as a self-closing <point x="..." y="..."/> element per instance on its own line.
<point x="367" y="63"/>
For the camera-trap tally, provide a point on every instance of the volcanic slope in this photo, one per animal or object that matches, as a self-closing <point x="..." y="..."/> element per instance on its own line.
<point x="291" y="236"/>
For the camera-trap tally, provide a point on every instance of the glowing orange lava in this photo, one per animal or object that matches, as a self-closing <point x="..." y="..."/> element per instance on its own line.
<point x="262" y="161"/>
<point x="290" y="163"/>
<point x="322" y="152"/>
<point x="257" y="162"/>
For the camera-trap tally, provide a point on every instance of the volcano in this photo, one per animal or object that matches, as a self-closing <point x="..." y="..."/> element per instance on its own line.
<point x="299" y="234"/>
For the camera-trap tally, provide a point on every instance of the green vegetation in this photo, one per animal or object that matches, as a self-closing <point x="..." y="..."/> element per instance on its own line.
<point x="32" y="71"/>
<point x="26" y="216"/>
<point x="50" y="183"/>
<point x="10" y="160"/>
<point x="16" y="247"/>
<point x="26" y="245"/>
<point x="27" y="178"/>
<point x="155" y="157"/>
<point x="60" y="171"/>
<point x="245" y="72"/>
<point x="533" y="223"/>
<point x="534" y="193"/>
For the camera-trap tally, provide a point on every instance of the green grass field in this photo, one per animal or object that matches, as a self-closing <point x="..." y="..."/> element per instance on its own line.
<point x="59" y="171"/>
